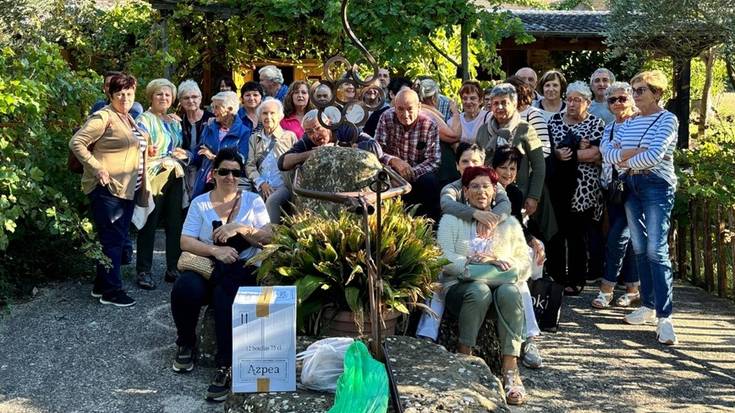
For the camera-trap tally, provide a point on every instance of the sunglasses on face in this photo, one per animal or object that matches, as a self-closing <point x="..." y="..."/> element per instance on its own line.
<point x="224" y="172"/>
<point x="622" y="99"/>
<point x="640" y="90"/>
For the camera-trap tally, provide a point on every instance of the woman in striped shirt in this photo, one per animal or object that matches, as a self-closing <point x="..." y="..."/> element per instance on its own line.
<point x="644" y="149"/>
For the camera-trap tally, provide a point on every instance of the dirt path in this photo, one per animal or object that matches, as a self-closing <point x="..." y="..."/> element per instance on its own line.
<point x="64" y="352"/>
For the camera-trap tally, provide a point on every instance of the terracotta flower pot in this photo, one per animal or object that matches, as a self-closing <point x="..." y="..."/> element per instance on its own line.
<point x="343" y="324"/>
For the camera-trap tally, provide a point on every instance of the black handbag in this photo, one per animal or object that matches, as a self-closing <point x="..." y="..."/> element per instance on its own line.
<point x="547" y="296"/>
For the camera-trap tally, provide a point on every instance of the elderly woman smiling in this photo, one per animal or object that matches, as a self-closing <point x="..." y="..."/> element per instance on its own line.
<point x="502" y="250"/>
<point x="644" y="147"/>
<point x="227" y="130"/>
<point x="266" y="147"/>
<point x="619" y="255"/>
<point x="575" y="191"/>
<point x="506" y="128"/>
<point x="166" y="176"/>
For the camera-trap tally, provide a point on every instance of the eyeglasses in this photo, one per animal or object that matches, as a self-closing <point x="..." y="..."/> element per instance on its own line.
<point x="576" y="100"/>
<point x="480" y="187"/>
<point x="622" y="99"/>
<point x="191" y="97"/>
<point x="224" y="172"/>
<point x="640" y="90"/>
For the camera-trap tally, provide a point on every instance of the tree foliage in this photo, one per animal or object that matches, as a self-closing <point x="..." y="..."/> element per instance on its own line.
<point x="677" y="28"/>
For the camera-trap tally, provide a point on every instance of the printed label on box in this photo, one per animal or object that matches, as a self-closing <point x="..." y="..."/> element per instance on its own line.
<point x="264" y="339"/>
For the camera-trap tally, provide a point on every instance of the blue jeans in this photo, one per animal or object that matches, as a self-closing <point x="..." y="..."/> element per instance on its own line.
<point x="648" y="208"/>
<point x="619" y="254"/>
<point x="111" y="216"/>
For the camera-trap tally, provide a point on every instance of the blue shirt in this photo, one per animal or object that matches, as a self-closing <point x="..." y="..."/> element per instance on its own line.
<point x="281" y="94"/>
<point x="237" y="136"/>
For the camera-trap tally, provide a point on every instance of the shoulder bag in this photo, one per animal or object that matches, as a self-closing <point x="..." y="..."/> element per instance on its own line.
<point x="204" y="266"/>
<point x="489" y="274"/>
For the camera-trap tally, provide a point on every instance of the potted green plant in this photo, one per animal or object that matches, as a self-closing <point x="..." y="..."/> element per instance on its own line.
<point x="324" y="256"/>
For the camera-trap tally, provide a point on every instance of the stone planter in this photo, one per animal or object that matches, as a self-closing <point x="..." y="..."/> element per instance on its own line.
<point x="343" y="324"/>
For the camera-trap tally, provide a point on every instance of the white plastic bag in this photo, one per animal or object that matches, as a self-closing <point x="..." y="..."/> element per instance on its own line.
<point x="324" y="363"/>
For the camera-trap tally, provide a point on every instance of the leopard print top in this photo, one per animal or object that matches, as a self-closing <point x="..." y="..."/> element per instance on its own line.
<point x="588" y="193"/>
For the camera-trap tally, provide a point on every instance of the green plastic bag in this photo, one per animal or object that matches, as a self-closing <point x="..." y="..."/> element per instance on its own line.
<point x="363" y="387"/>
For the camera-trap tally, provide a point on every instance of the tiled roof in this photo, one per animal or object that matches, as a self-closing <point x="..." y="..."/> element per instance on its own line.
<point x="568" y="23"/>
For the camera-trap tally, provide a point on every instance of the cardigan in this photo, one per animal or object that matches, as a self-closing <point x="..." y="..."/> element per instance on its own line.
<point x="454" y="238"/>
<point x="115" y="150"/>
<point x="284" y="141"/>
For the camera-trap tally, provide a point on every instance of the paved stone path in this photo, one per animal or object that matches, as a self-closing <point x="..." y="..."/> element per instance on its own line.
<point x="64" y="352"/>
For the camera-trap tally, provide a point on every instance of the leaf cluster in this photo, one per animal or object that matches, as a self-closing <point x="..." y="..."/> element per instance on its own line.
<point x="325" y="258"/>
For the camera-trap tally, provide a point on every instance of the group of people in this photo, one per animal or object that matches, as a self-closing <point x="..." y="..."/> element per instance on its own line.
<point x="520" y="182"/>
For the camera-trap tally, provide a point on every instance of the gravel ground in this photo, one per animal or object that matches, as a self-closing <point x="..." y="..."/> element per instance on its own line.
<point x="596" y="363"/>
<point x="64" y="352"/>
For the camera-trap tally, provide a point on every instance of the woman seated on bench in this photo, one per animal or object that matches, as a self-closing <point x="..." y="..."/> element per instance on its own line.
<point x="503" y="253"/>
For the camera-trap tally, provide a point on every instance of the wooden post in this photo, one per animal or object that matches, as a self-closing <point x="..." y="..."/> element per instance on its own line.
<point x="709" y="274"/>
<point x="694" y="252"/>
<point x="682" y="80"/>
<point x="681" y="250"/>
<point x="721" y="257"/>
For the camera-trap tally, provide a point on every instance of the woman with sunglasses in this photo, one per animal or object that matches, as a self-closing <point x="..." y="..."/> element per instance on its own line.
<point x="644" y="149"/>
<point x="226" y="131"/>
<point x="227" y="225"/>
<point x="619" y="256"/>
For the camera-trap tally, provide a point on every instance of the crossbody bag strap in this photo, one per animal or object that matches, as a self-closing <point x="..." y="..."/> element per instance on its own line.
<point x="267" y="151"/>
<point x="649" y="128"/>
<point x="235" y="206"/>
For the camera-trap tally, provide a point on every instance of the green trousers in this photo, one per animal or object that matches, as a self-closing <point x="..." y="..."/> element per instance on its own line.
<point x="167" y="210"/>
<point x="470" y="301"/>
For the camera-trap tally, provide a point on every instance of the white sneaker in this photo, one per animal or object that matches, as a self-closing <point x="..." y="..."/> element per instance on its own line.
<point x="643" y="315"/>
<point x="665" y="331"/>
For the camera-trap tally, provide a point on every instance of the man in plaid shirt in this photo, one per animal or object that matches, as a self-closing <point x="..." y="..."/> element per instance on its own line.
<point x="410" y="142"/>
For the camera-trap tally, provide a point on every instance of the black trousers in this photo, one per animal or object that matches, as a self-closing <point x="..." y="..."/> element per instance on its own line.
<point x="425" y="192"/>
<point x="191" y="292"/>
<point x="576" y="249"/>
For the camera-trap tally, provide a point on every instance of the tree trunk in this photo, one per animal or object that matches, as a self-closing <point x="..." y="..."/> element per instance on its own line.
<point x="709" y="62"/>
<point x="465" y="35"/>
<point x="682" y="81"/>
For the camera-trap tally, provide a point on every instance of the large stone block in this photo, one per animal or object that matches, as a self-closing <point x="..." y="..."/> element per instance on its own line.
<point x="487" y="346"/>
<point x="335" y="169"/>
<point x="430" y="379"/>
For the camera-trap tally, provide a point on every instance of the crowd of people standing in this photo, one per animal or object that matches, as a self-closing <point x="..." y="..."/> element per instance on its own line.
<point x="520" y="182"/>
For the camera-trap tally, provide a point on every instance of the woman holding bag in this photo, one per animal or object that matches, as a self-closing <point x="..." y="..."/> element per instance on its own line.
<point x="227" y="225"/>
<point x="500" y="250"/>
<point x="113" y="152"/>
<point x="619" y="255"/>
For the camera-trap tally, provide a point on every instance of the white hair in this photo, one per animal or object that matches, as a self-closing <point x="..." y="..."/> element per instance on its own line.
<point x="229" y="99"/>
<point x="505" y="89"/>
<point x="279" y="106"/>
<point x="615" y="86"/>
<point x="602" y="70"/>
<point x="188" y="86"/>
<point x="271" y="72"/>
<point x="581" y="88"/>
<point x="311" y="116"/>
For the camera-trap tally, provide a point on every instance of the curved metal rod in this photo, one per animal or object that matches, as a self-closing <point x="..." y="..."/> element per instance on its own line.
<point x="359" y="46"/>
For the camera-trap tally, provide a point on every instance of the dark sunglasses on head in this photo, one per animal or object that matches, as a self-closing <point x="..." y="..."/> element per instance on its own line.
<point x="612" y="100"/>
<point x="224" y="172"/>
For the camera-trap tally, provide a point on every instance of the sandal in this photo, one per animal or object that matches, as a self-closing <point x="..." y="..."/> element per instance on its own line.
<point x="602" y="300"/>
<point x="627" y="299"/>
<point x="515" y="393"/>
<point x="573" y="290"/>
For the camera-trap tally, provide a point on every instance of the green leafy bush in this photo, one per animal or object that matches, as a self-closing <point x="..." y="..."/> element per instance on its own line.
<point x="325" y="258"/>
<point x="41" y="229"/>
